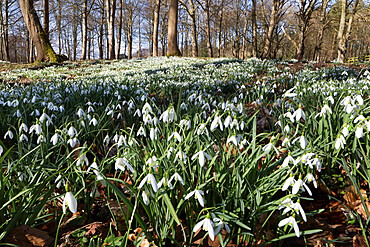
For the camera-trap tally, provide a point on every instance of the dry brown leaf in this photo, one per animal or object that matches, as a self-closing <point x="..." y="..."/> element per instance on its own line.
<point x="28" y="236"/>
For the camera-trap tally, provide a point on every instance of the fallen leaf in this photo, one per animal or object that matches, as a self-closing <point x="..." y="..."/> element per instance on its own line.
<point x="28" y="236"/>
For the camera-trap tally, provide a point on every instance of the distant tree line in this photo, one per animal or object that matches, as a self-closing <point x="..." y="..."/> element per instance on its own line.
<point x="319" y="30"/>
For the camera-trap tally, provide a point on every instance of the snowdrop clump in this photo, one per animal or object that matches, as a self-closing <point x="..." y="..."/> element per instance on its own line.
<point x="199" y="139"/>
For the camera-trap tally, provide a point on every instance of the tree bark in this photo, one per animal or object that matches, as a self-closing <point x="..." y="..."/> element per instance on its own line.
<point x="5" y="25"/>
<point x="110" y="6"/>
<point x="43" y="47"/>
<point x="119" y="35"/>
<point x="208" y="28"/>
<point x="193" y="26"/>
<point x="320" y="34"/>
<point x="343" y="37"/>
<point x="156" y="27"/>
<point x="84" y="30"/>
<point x="254" y="29"/>
<point x="101" y="33"/>
<point x="173" y="49"/>
<point x="271" y="28"/>
<point x="45" y="4"/>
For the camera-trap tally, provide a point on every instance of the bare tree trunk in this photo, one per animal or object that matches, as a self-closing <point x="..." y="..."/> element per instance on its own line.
<point x="44" y="49"/>
<point x="75" y="24"/>
<point x="244" y="46"/>
<point x="45" y="4"/>
<point x="320" y="34"/>
<point x="129" y="42"/>
<point x="6" y="32"/>
<point x="344" y="37"/>
<point x="194" y="39"/>
<point x="173" y="48"/>
<point x="342" y="23"/>
<point x="271" y="27"/>
<point x="101" y="33"/>
<point x="155" y="27"/>
<point x="193" y="26"/>
<point x="254" y="29"/>
<point x="139" y="34"/>
<point x="208" y="28"/>
<point x="119" y="35"/>
<point x="84" y="30"/>
<point x="110" y="6"/>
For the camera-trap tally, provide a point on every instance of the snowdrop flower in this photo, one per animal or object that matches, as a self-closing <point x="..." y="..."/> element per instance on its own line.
<point x="106" y="139"/>
<point x="302" y="141"/>
<point x="360" y="118"/>
<point x="46" y="117"/>
<point x="207" y="225"/>
<point x="72" y="132"/>
<point x="217" y="122"/>
<point x="141" y="131"/>
<point x="299" y="210"/>
<point x="183" y="106"/>
<point x="201" y="156"/>
<point x="93" y="121"/>
<point x="185" y="122"/>
<point x="9" y="134"/>
<point x="121" y="163"/>
<point x="40" y="139"/>
<point x="287" y="160"/>
<point x="146" y="109"/>
<point x="60" y="181"/>
<point x="298" y="114"/>
<point x="176" y="135"/>
<point x="289" y="93"/>
<point x="359" y="99"/>
<point x="345" y="130"/>
<point x="80" y="113"/>
<point x="286" y="142"/>
<point x="54" y="139"/>
<point x="137" y="113"/>
<point x="169" y="115"/>
<point x="198" y="195"/>
<point x="325" y="109"/>
<point x="99" y="176"/>
<point x="291" y="222"/>
<point x="71" y="201"/>
<point x="289" y="182"/>
<point x="152" y="162"/>
<point x="202" y="129"/>
<point x="1" y="150"/>
<point x="180" y="155"/>
<point x="23" y="127"/>
<point x="340" y="142"/>
<point x="23" y="137"/>
<point x="316" y="161"/>
<point x="145" y="197"/>
<point x="177" y="177"/>
<point x="290" y="116"/>
<point x="359" y="131"/>
<point x="221" y="224"/>
<point x="73" y="142"/>
<point x="36" y="127"/>
<point x="287" y="203"/>
<point x="228" y="121"/>
<point x="310" y="178"/>
<point x="163" y="181"/>
<point x="299" y="184"/>
<point x="150" y="179"/>
<point x="153" y="134"/>
<point x="82" y="159"/>
<point x="330" y="99"/>
<point x="267" y="148"/>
